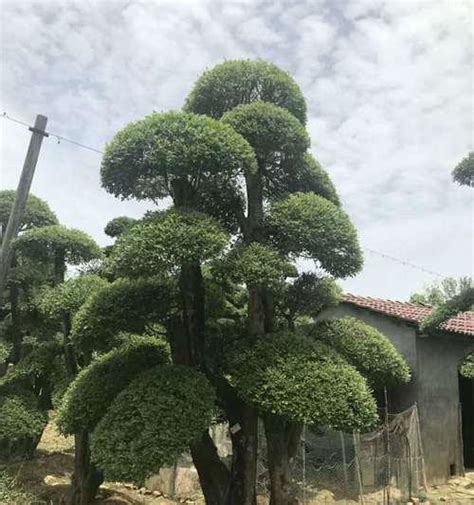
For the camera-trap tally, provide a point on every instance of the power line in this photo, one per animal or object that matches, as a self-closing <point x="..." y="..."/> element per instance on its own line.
<point x="405" y="263"/>
<point x="373" y="251"/>
<point x="58" y="137"/>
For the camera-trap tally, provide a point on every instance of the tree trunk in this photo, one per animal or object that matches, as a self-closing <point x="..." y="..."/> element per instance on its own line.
<point x="86" y="478"/>
<point x="278" y="461"/>
<point x="244" y="435"/>
<point x="189" y="351"/>
<point x="213" y="474"/>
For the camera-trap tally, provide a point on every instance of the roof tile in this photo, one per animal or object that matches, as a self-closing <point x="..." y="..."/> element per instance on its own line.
<point x="413" y="312"/>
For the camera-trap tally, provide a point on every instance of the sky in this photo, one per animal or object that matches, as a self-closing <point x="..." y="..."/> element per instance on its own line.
<point x="389" y="88"/>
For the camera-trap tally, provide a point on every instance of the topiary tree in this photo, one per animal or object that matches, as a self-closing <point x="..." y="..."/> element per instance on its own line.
<point x="23" y="275"/>
<point x="58" y="245"/>
<point x="463" y="174"/>
<point x="251" y="172"/>
<point x="119" y="225"/>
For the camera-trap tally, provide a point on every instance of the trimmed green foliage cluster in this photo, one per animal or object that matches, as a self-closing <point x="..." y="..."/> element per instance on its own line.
<point x="260" y="265"/>
<point x="164" y="243"/>
<point x="467" y="367"/>
<point x="464" y="172"/>
<point x="462" y="302"/>
<point x="5" y="350"/>
<point x="118" y="225"/>
<point x="152" y="422"/>
<point x="308" y="225"/>
<point x="236" y="82"/>
<point x="22" y="423"/>
<point x="309" y="177"/>
<point x="123" y="306"/>
<point x="35" y="368"/>
<point x="37" y="212"/>
<point x="276" y="136"/>
<point x="301" y="380"/>
<point x="96" y="386"/>
<point x="308" y="296"/>
<point x="146" y="158"/>
<point x="44" y="244"/>
<point x="68" y="296"/>
<point x="364" y="347"/>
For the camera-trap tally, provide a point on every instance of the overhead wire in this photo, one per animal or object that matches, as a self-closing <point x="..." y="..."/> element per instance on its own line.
<point x="372" y="251"/>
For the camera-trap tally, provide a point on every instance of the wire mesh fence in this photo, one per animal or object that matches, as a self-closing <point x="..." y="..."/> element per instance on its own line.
<point x="381" y="467"/>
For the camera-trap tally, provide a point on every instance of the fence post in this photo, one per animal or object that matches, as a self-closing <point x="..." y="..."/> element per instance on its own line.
<point x="344" y="463"/>
<point x="358" y="470"/>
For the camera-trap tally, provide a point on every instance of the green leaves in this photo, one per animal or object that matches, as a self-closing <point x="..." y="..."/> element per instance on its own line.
<point x="303" y="381"/>
<point x="152" y="422"/>
<point x="173" y="154"/>
<point x="93" y="390"/>
<point x="464" y="172"/>
<point x="364" y="347"/>
<point x="160" y="245"/>
<point x="308" y="225"/>
<point x="68" y="296"/>
<point x="22" y="423"/>
<point x="44" y="243"/>
<point x="259" y="265"/>
<point x="236" y="82"/>
<point x="37" y="211"/>
<point x="123" y="306"/>
<point x="467" y="367"/>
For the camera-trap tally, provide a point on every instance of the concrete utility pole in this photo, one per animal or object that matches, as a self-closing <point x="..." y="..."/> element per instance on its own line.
<point x="18" y="209"/>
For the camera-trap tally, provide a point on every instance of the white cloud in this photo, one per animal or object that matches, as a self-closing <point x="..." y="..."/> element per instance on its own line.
<point x="387" y="83"/>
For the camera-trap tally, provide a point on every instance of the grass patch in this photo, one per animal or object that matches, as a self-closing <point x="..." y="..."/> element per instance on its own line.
<point x="12" y="493"/>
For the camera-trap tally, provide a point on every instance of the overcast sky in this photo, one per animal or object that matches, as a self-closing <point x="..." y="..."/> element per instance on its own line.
<point x="388" y="86"/>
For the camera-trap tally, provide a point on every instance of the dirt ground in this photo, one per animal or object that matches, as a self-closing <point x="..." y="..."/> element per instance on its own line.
<point x="47" y="476"/>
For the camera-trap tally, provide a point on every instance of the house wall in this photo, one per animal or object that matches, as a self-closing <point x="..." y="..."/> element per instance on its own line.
<point x="434" y="387"/>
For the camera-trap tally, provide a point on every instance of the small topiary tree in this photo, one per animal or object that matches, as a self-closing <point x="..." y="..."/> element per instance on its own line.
<point x="22" y="424"/>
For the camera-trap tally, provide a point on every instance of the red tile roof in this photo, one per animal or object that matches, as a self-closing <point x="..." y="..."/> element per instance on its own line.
<point x="412" y="312"/>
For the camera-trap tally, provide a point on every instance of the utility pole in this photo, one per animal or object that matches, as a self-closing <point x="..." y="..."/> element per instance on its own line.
<point x="21" y="197"/>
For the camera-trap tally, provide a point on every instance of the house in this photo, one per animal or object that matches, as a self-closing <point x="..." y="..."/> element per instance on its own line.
<point x="445" y="400"/>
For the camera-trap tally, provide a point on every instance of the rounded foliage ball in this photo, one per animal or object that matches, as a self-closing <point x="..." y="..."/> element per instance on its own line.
<point x="47" y="242"/>
<point x="37" y="212"/>
<point x="374" y="356"/>
<point x="22" y="424"/>
<point x="260" y="265"/>
<point x="162" y="244"/>
<point x="236" y="82"/>
<point x="152" y="422"/>
<point x="91" y="393"/>
<point x="302" y="380"/>
<point x="308" y="225"/>
<point x="123" y="306"/>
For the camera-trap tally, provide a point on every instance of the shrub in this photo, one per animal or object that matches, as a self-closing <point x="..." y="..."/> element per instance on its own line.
<point x="93" y="390"/>
<point x="152" y="422"/>
<point x="22" y="424"/>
